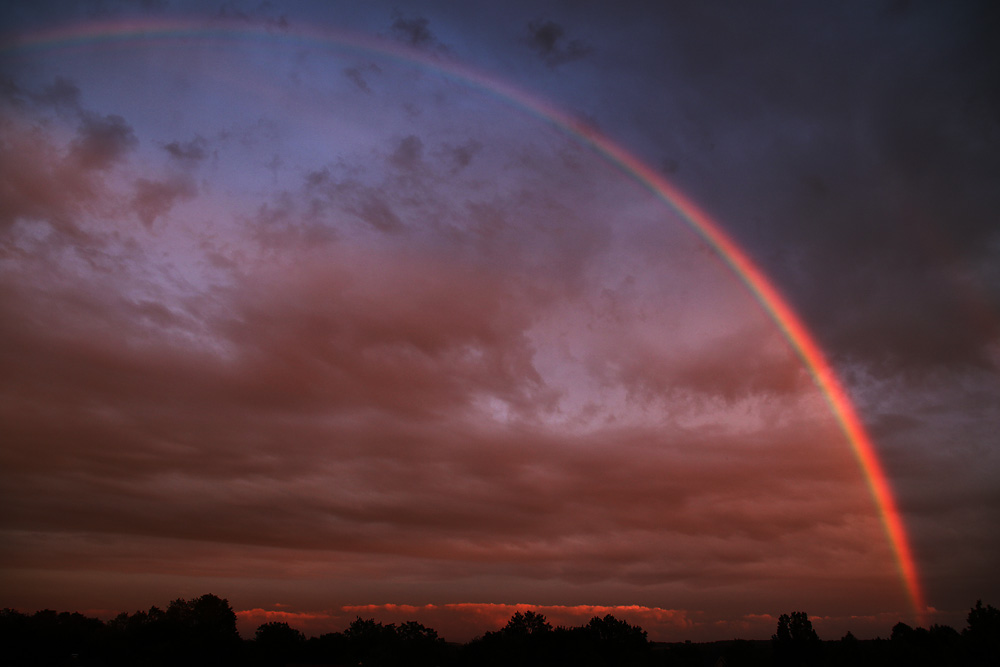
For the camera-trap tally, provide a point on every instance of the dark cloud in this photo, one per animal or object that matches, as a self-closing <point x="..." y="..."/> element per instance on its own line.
<point x="547" y="39"/>
<point x="283" y="222"/>
<point x="153" y="199"/>
<point x="262" y="13"/>
<point x="357" y="76"/>
<point x="408" y="154"/>
<point x="878" y="159"/>
<point x="461" y="156"/>
<point x="375" y="211"/>
<point x="102" y="141"/>
<point x="61" y="93"/>
<point x="414" y="31"/>
<point x="231" y="10"/>
<point x="192" y="151"/>
<point x="330" y="196"/>
<point x="248" y="135"/>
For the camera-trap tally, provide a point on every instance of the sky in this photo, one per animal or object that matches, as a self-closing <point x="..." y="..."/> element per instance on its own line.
<point x="400" y="310"/>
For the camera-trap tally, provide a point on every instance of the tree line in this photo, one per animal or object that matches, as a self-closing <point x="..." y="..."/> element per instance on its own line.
<point x="202" y="631"/>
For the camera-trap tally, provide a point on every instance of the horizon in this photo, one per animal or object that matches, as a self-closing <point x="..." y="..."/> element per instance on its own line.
<point x="690" y="312"/>
<point x="488" y="618"/>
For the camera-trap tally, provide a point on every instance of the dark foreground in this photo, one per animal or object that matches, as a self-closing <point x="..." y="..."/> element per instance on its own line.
<point x="202" y="631"/>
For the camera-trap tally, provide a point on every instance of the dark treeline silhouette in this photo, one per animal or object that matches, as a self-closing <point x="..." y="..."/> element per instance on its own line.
<point x="202" y="631"/>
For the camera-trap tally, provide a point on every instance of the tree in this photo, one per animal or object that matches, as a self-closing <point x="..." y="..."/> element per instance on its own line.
<point x="526" y="624"/>
<point x="368" y="632"/>
<point x="901" y="632"/>
<point x="795" y="628"/>
<point x="848" y="650"/>
<point x="202" y="631"/>
<point x="412" y="632"/>
<point x="795" y="642"/>
<point x="419" y="645"/>
<point x="47" y="637"/>
<point x="983" y="633"/>
<point x="370" y="642"/>
<point x="328" y="648"/>
<point x="614" y="642"/>
<point x="527" y="639"/>
<point x="277" y="642"/>
<point x="611" y="630"/>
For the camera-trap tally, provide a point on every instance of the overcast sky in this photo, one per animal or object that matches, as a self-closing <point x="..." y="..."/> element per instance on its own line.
<point x="312" y="306"/>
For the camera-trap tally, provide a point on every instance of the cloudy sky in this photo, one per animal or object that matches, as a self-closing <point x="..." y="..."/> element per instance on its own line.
<point x="325" y="308"/>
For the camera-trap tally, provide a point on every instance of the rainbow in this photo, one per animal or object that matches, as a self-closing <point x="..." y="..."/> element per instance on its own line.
<point x="770" y="298"/>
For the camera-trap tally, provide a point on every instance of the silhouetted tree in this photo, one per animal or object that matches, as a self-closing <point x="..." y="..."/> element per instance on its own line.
<point x="526" y="624"/>
<point x="946" y="645"/>
<point x="201" y="631"/>
<point x="744" y="653"/>
<point x="940" y="646"/>
<point x="909" y="645"/>
<point x="142" y="638"/>
<point x="370" y="642"/>
<point x="412" y="632"/>
<point x="795" y="642"/>
<point x="48" y="637"/>
<point x="847" y="651"/>
<point x="982" y="635"/>
<point x="277" y="643"/>
<point x="527" y="639"/>
<point x="683" y="655"/>
<point x="610" y="641"/>
<point x="327" y="649"/>
<point x="418" y="645"/>
<point x="13" y="637"/>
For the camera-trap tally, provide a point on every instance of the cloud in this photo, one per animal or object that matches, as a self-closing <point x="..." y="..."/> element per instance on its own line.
<point x="231" y="11"/>
<point x="43" y="185"/>
<point x="357" y="76"/>
<point x="423" y="486"/>
<point x="461" y="156"/>
<point x="387" y="363"/>
<point x="733" y="367"/>
<point x="102" y="141"/>
<point x="188" y="152"/>
<point x="430" y="322"/>
<point x="62" y="93"/>
<point x="415" y="32"/>
<point x="882" y="227"/>
<point x="329" y="196"/>
<point x="310" y="624"/>
<point x="408" y="154"/>
<point x="376" y="212"/>
<point x="547" y="39"/>
<point x="61" y="173"/>
<point x="154" y="199"/>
